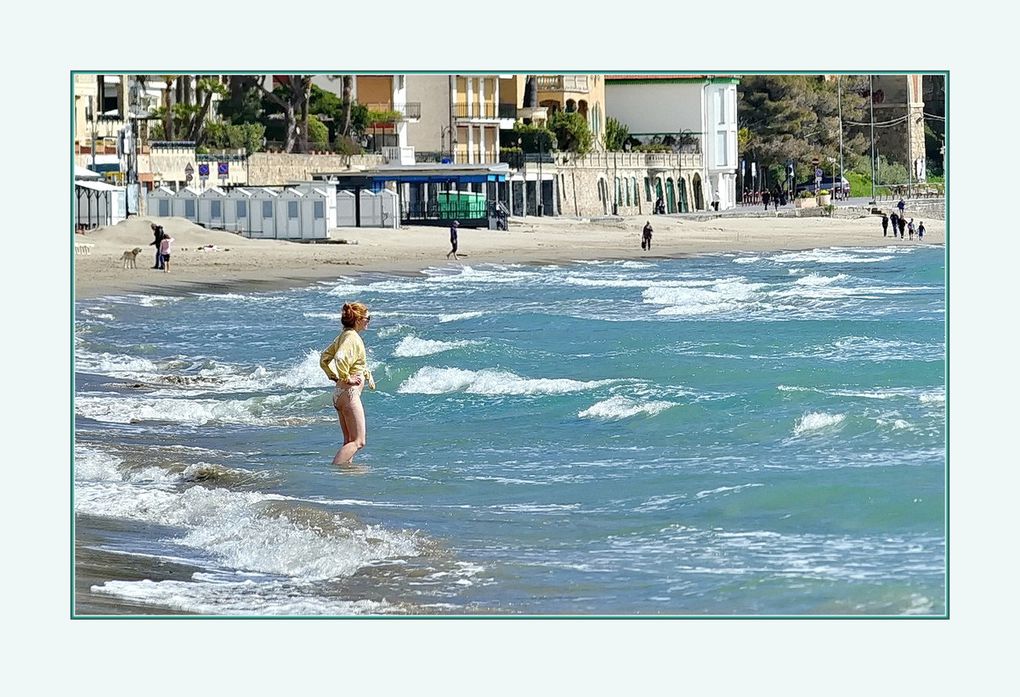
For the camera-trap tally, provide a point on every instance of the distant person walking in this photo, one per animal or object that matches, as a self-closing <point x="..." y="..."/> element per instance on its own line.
<point x="902" y="205"/>
<point x="765" y="198"/>
<point x="453" y="239"/>
<point x="895" y="220"/>
<point x="164" y="252"/>
<point x="157" y="237"/>
<point x="885" y="225"/>
<point x="715" y="201"/>
<point x="920" y="231"/>
<point x="775" y="200"/>
<point x="646" y="236"/>
<point x="903" y="226"/>
<point x="910" y="228"/>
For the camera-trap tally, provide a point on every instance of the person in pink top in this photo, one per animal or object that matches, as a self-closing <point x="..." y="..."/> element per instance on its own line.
<point x="164" y="252"/>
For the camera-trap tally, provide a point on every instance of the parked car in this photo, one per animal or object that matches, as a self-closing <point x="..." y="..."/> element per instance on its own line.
<point x="827" y="184"/>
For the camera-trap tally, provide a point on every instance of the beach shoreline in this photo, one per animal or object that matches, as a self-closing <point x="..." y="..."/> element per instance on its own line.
<point x="216" y="261"/>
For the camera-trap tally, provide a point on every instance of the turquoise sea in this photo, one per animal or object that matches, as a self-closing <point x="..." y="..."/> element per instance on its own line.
<point x="728" y="434"/>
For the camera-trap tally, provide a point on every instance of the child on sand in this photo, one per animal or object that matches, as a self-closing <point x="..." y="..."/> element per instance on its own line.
<point x="164" y="251"/>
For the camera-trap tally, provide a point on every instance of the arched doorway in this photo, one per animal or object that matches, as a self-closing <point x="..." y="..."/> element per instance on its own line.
<point x="658" y="188"/>
<point x="683" y="196"/>
<point x="699" y="199"/>
<point x="670" y="196"/>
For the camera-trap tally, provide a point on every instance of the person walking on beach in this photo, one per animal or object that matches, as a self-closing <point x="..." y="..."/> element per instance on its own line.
<point x="157" y="237"/>
<point x="885" y="225"/>
<point x="646" y="236"/>
<point x="345" y="364"/>
<point x="920" y="231"/>
<point x="453" y="239"/>
<point x="910" y="228"/>
<point x="903" y="226"/>
<point x="895" y="220"/>
<point x="164" y="252"/>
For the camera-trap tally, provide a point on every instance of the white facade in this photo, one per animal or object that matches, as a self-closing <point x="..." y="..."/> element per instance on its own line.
<point x="706" y="107"/>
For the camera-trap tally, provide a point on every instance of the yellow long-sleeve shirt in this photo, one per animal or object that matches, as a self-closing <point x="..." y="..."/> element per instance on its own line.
<point x="345" y="357"/>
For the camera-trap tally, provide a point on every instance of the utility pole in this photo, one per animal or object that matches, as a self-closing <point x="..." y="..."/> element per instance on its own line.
<point x="839" y="102"/>
<point x="871" y="98"/>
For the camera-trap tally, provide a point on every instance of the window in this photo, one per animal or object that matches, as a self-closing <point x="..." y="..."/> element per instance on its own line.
<point x="292" y="210"/>
<point x="720" y="107"/>
<point x="320" y="210"/>
<point x="216" y="209"/>
<point x="242" y="209"/>
<point x="721" y="156"/>
<point x="164" y="207"/>
<point x="648" y="189"/>
<point x="628" y="191"/>
<point x="637" y="192"/>
<point x="189" y="208"/>
<point x="267" y="209"/>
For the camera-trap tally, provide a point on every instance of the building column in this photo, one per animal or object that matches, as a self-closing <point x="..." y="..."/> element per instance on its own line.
<point x="471" y="144"/>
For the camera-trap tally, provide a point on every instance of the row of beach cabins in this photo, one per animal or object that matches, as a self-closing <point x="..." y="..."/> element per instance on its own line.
<point x="298" y="212"/>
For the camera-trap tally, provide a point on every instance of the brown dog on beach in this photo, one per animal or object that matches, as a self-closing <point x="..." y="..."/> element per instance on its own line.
<point x="127" y="259"/>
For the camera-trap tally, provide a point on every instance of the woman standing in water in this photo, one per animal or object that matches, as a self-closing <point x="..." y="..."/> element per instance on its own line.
<point x="344" y="363"/>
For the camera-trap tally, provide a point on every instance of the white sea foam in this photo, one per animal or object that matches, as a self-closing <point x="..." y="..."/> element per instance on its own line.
<point x="721" y="296"/>
<point x="413" y="346"/>
<point x="820" y="280"/>
<point x="238" y="598"/>
<point x="622" y="408"/>
<point x="725" y="490"/>
<point x="116" y="365"/>
<point x="493" y="274"/>
<point x="430" y="380"/>
<point x="814" y="421"/>
<point x="269" y="410"/>
<point x="933" y="397"/>
<point x="746" y="260"/>
<point x="332" y="316"/>
<point x="833" y="256"/>
<point x="459" y="316"/>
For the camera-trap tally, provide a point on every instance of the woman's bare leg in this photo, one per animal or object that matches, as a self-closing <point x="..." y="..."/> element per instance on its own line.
<point x="342" y="418"/>
<point x="354" y="413"/>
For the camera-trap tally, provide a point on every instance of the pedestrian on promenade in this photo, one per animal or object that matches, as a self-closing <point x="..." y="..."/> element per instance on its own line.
<point x="765" y="198"/>
<point x="775" y="199"/>
<point x="453" y="239"/>
<point x="885" y="225"/>
<point x="902" y="206"/>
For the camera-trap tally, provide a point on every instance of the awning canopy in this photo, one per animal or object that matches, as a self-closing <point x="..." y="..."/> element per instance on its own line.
<point x="97" y="186"/>
<point x="85" y="173"/>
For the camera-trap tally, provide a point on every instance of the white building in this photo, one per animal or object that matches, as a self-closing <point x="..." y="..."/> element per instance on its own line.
<point x="693" y="111"/>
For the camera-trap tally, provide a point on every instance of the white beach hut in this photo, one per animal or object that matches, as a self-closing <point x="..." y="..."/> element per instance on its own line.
<point x="237" y="211"/>
<point x="98" y="204"/>
<point x="186" y="203"/>
<point x="389" y="209"/>
<point x="324" y="217"/>
<point x="288" y="214"/>
<point x="210" y="207"/>
<point x="263" y="213"/>
<point x="160" y="201"/>
<point x="345" y="209"/>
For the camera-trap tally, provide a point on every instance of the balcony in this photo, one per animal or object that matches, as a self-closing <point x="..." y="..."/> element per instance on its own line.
<point x="563" y="83"/>
<point x="408" y="111"/>
<point x="484" y="111"/>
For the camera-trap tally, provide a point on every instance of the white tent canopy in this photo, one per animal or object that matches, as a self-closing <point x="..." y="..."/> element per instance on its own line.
<point x="86" y="173"/>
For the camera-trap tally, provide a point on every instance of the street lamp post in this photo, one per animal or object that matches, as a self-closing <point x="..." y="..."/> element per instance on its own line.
<point x="541" y="151"/>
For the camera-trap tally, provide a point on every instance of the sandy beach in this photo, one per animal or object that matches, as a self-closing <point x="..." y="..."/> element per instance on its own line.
<point x="204" y="259"/>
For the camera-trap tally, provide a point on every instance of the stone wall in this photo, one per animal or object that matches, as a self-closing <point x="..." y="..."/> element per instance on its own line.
<point x="581" y="194"/>
<point x="275" y="169"/>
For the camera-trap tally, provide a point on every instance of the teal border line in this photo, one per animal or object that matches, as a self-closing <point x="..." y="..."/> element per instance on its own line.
<point x="708" y="73"/>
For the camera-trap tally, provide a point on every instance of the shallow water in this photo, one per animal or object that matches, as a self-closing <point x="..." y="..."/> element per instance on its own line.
<point x="726" y="434"/>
